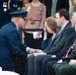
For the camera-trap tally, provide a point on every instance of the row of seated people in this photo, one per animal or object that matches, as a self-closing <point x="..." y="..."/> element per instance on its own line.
<point x="53" y="49"/>
<point x="64" y="35"/>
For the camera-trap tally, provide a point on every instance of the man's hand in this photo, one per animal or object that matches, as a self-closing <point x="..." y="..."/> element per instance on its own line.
<point x="31" y="50"/>
<point x="38" y="51"/>
<point x="72" y="62"/>
<point x="73" y="3"/>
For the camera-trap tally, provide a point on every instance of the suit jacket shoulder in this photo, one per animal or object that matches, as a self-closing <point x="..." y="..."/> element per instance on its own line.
<point x="59" y="41"/>
<point x="6" y="29"/>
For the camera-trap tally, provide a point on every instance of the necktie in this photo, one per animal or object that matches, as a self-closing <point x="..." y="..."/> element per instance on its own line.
<point x="70" y="49"/>
<point x="53" y="9"/>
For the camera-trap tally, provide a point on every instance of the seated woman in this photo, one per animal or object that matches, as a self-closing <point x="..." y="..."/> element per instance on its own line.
<point x="50" y="27"/>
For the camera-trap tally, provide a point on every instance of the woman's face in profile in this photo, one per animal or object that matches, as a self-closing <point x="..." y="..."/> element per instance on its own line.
<point x="47" y="28"/>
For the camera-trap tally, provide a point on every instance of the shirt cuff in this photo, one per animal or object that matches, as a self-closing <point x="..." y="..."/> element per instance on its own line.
<point x="53" y="56"/>
<point x="27" y="49"/>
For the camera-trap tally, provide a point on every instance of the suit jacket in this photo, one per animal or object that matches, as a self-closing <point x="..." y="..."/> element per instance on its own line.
<point x="60" y="4"/>
<point x="72" y="53"/>
<point x="45" y="43"/>
<point x="10" y="46"/>
<point x="67" y="45"/>
<point x="57" y="44"/>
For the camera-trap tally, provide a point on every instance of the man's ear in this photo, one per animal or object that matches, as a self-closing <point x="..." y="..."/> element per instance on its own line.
<point x="63" y="17"/>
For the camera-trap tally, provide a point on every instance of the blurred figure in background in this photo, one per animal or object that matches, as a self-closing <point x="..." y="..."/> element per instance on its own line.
<point x="35" y="19"/>
<point x="72" y="6"/>
<point x="20" y="4"/>
<point x="6" y="6"/>
<point x="25" y="2"/>
<point x="59" y="4"/>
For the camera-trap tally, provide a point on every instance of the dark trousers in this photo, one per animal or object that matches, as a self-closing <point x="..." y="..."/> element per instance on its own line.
<point x="31" y="42"/>
<point x="50" y="68"/>
<point x="37" y="64"/>
<point x="48" y="62"/>
<point x="20" y="67"/>
<point x="65" y="69"/>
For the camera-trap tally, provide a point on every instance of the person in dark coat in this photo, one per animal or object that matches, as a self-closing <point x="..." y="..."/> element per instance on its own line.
<point x="68" y="64"/>
<point x="11" y="47"/>
<point x="6" y="6"/>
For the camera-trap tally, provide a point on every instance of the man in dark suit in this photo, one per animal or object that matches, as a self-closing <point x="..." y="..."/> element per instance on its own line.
<point x="11" y="48"/>
<point x="55" y="46"/>
<point x="59" y="5"/>
<point x="6" y="6"/>
<point x="68" y="64"/>
<point x="49" y="67"/>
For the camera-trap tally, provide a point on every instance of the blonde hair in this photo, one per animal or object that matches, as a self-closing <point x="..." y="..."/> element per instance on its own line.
<point x="52" y="23"/>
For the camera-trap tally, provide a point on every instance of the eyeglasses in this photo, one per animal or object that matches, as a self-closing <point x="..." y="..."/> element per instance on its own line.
<point x="24" y="18"/>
